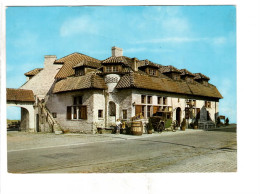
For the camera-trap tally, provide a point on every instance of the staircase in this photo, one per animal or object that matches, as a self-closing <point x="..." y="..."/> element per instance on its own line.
<point x="46" y="121"/>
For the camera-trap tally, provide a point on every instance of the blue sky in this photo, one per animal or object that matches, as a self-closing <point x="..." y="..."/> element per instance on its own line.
<point x="199" y="38"/>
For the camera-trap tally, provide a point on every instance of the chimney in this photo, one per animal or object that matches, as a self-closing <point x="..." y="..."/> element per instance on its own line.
<point x="49" y="60"/>
<point x="117" y="52"/>
<point x="135" y="64"/>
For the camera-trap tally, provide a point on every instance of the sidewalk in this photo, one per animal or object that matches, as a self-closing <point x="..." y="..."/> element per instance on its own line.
<point x="23" y="140"/>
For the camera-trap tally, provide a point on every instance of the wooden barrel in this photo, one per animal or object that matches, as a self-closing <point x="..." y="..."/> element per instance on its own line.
<point x="137" y="128"/>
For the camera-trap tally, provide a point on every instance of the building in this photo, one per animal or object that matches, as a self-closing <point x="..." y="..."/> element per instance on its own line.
<point x="80" y="93"/>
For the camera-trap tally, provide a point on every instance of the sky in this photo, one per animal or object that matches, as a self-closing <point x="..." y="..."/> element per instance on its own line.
<point x="198" y="38"/>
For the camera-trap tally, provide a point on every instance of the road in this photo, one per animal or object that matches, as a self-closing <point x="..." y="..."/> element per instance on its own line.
<point x="194" y="151"/>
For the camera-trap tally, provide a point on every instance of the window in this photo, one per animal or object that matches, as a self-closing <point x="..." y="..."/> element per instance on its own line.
<point x="114" y="68"/>
<point x="143" y="111"/>
<point x="159" y="100"/>
<point x="112" y="109"/>
<point x="77" y="111"/>
<point x="149" y="99"/>
<point x="143" y="99"/>
<point x="54" y="115"/>
<point x="79" y="71"/>
<point x="108" y="69"/>
<point x="175" y="77"/>
<point x="148" y="111"/>
<point x="191" y="103"/>
<point x="124" y="114"/>
<point x="164" y="100"/>
<point x="152" y="72"/>
<point x="207" y="104"/>
<point x="100" y="114"/>
<point x="77" y="100"/>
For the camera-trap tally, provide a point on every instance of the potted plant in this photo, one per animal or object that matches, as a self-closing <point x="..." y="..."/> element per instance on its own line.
<point x="149" y="127"/>
<point x="183" y="125"/>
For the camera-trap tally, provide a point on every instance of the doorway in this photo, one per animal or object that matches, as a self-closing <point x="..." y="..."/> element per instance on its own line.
<point x="178" y="115"/>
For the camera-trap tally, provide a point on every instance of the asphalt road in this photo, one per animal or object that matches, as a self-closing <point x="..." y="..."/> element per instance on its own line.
<point x="198" y="151"/>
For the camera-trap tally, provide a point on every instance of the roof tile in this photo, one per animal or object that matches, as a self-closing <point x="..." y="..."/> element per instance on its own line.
<point x="69" y="62"/>
<point x="19" y="95"/>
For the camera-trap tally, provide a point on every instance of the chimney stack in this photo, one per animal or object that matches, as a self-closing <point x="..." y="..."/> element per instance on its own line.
<point x="135" y="64"/>
<point x="117" y="52"/>
<point x="49" y="60"/>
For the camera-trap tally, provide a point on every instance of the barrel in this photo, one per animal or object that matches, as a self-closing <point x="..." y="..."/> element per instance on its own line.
<point x="137" y="128"/>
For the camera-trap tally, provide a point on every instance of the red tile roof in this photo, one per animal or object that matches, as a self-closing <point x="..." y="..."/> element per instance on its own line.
<point x="90" y="80"/>
<point x="186" y="72"/>
<point x="19" y="95"/>
<point x="137" y="80"/>
<point x="201" y="76"/>
<point x="33" y="72"/>
<point x="69" y="62"/>
<point x="168" y="69"/>
<point x="86" y="63"/>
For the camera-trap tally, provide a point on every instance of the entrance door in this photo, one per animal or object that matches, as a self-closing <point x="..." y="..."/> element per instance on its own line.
<point x="178" y="115"/>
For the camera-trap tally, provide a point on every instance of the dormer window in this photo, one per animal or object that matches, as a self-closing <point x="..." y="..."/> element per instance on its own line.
<point x="149" y="67"/>
<point x="112" y="68"/>
<point x="152" y="72"/>
<point x="189" y="79"/>
<point x="79" y="71"/>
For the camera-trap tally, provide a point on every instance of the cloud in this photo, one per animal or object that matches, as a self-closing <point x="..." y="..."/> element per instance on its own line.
<point x="78" y="25"/>
<point x="134" y="50"/>
<point x="213" y="40"/>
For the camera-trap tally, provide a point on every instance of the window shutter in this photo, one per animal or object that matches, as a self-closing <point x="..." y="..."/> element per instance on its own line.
<point x="69" y="112"/>
<point x="83" y="112"/>
<point x="138" y="109"/>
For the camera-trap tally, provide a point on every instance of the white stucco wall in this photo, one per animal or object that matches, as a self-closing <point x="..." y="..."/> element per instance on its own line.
<point x="41" y="83"/>
<point x="58" y="103"/>
<point x="173" y="100"/>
